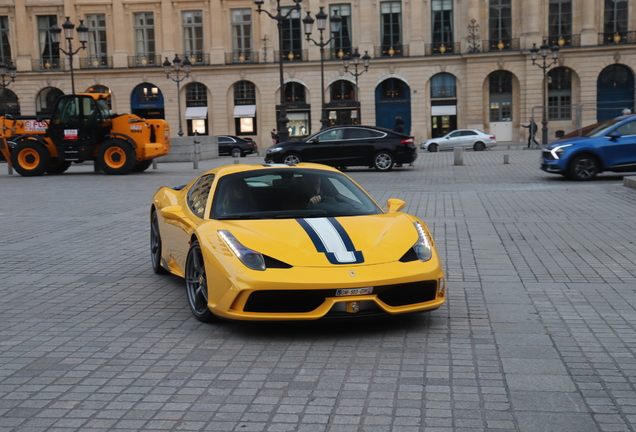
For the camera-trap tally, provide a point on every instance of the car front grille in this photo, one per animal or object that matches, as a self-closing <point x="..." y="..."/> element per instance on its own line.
<point x="302" y="301"/>
<point x="547" y="155"/>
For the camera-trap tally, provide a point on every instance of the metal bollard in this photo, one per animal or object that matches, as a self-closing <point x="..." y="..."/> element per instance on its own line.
<point x="96" y="166"/>
<point x="505" y="159"/>
<point x="458" y="153"/>
<point x="154" y="164"/>
<point x="196" y="155"/>
<point x="10" y="169"/>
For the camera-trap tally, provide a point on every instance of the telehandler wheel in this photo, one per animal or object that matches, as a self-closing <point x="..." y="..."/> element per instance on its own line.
<point x="30" y="158"/>
<point x="116" y="157"/>
<point x="142" y="166"/>
<point x="58" y="167"/>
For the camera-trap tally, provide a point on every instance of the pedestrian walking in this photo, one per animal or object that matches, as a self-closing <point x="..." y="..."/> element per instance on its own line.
<point x="532" y="130"/>
<point x="274" y="136"/>
<point x="399" y="125"/>
<point x="627" y="111"/>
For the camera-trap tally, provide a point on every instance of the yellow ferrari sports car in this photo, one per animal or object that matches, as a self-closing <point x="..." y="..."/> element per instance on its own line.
<point x="292" y="242"/>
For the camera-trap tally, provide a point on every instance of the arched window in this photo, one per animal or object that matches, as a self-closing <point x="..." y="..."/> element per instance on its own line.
<point x="443" y="86"/>
<point x="101" y="89"/>
<point x="392" y="88"/>
<point x="196" y="108"/>
<point x="46" y="99"/>
<point x="560" y="94"/>
<point x="245" y="108"/>
<point x="9" y="102"/>
<point x="500" y="83"/>
<point x="614" y="91"/>
<point x="342" y="90"/>
<point x="294" y="92"/>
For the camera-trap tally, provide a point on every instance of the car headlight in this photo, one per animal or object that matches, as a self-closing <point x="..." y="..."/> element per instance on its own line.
<point x="274" y="149"/>
<point x="423" y="248"/>
<point x="557" y="152"/>
<point x="249" y="257"/>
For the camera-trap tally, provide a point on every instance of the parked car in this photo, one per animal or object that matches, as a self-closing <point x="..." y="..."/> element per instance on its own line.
<point x="343" y="146"/>
<point x="236" y="146"/>
<point x="302" y="242"/>
<point x="610" y="146"/>
<point x="472" y="138"/>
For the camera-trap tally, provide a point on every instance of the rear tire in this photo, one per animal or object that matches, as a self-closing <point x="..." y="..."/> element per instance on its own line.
<point x="479" y="146"/>
<point x="58" y="167"/>
<point x="155" y="245"/>
<point x="383" y="161"/>
<point x="116" y="157"/>
<point x="292" y="159"/>
<point x="433" y="148"/>
<point x="236" y="152"/>
<point x="30" y="158"/>
<point x="197" y="284"/>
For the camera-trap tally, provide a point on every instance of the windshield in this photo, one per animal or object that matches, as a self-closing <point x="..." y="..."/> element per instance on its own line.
<point x="289" y="193"/>
<point x="602" y="129"/>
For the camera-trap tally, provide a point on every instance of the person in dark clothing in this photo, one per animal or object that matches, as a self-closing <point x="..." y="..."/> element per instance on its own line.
<point x="532" y="130"/>
<point x="399" y="125"/>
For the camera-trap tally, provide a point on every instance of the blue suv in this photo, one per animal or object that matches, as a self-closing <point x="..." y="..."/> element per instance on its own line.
<point x="608" y="146"/>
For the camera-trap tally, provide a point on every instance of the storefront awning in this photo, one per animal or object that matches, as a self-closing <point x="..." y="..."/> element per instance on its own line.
<point x="195" y="113"/>
<point x="438" y="110"/>
<point x="241" y="111"/>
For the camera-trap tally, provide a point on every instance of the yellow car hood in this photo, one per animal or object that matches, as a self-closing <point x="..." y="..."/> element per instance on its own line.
<point x="320" y="242"/>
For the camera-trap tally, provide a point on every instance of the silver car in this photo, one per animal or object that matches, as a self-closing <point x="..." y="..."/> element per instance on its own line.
<point x="469" y="138"/>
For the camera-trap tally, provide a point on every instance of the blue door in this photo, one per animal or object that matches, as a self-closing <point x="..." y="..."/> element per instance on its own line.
<point x="393" y="99"/>
<point x="615" y="92"/>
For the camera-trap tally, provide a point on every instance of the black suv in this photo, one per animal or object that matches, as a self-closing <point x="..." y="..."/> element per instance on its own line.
<point x="343" y="146"/>
<point x="236" y="146"/>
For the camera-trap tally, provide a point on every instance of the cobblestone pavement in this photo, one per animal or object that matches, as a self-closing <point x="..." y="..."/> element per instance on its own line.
<point x="539" y="333"/>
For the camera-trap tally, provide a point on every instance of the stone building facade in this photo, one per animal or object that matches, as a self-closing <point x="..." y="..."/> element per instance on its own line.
<point x="439" y="64"/>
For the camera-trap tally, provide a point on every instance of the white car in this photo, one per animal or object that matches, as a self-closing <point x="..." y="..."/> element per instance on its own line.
<point x="469" y="138"/>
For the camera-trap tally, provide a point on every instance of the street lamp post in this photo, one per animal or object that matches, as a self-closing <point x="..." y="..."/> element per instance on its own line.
<point x="334" y="22"/>
<point x="176" y="63"/>
<point x="545" y="51"/>
<point x="4" y="70"/>
<point x="283" y="133"/>
<point x="366" y="59"/>
<point x="82" y="34"/>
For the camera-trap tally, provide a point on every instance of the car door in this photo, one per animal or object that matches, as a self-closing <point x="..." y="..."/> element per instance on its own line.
<point x="452" y="140"/>
<point x="620" y="151"/>
<point x="469" y="138"/>
<point x="324" y="147"/>
<point x="225" y="143"/>
<point x="359" y="146"/>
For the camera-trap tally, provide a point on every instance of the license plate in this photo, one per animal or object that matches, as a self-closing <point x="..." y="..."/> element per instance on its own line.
<point x="354" y="291"/>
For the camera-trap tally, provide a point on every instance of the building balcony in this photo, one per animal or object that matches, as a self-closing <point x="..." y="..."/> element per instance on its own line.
<point x="143" y="60"/>
<point x="391" y="51"/>
<point x="241" y="57"/>
<point x="338" y="53"/>
<point x="617" y="38"/>
<point x="96" y="62"/>
<point x="564" y="41"/>
<point x="500" y="45"/>
<point x="441" y="48"/>
<point x="44" y="65"/>
<point x="197" y="58"/>
<point x="291" y="56"/>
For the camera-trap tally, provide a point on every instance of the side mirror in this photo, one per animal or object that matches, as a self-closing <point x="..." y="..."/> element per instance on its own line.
<point x="614" y="134"/>
<point x="395" y="205"/>
<point x="447" y="137"/>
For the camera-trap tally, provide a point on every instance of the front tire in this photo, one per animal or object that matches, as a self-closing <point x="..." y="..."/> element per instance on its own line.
<point x="197" y="284"/>
<point x="583" y="167"/>
<point x="58" y="167"/>
<point x="142" y="166"/>
<point x="479" y="146"/>
<point x="116" y="157"/>
<point x="433" y="148"/>
<point x="383" y="161"/>
<point x="155" y="245"/>
<point x="292" y="159"/>
<point x="30" y="158"/>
